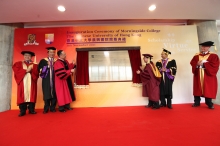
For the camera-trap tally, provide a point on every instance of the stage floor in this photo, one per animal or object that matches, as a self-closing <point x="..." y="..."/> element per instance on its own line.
<point x="114" y="126"/>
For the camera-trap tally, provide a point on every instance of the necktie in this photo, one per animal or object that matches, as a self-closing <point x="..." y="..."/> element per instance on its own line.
<point x="51" y="62"/>
<point x="51" y="75"/>
<point x="51" y="65"/>
<point x="164" y="66"/>
<point x="164" y="63"/>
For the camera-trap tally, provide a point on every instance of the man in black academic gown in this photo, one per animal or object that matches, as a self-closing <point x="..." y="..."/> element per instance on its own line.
<point x="46" y="70"/>
<point x="167" y="68"/>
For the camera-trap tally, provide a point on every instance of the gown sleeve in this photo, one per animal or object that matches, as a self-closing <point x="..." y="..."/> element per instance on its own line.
<point x="193" y="63"/>
<point x="145" y="76"/>
<point x="212" y="66"/>
<point x="19" y="72"/>
<point x="43" y="68"/>
<point x="60" y="71"/>
<point x="173" y="68"/>
<point x="35" y="73"/>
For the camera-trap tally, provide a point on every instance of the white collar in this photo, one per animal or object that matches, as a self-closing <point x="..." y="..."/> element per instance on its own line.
<point x="61" y="59"/>
<point x="205" y="52"/>
<point x="165" y="59"/>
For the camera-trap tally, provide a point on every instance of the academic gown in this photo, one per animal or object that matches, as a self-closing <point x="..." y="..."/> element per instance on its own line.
<point x="167" y="77"/>
<point x="63" y="82"/>
<point x="26" y="82"/>
<point x="150" y="83"/>
<point x="47" y="76"/>
<point x="205" y="82"/>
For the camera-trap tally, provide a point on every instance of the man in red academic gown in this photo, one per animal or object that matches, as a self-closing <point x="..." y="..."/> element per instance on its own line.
<point x="150" y="77"/>
<point x="63" y="83"/>
<point x="205" y="66"/>
<point x="26" y="75"/>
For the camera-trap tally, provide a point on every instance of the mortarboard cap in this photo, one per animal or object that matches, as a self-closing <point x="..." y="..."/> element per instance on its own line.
<point x="28" y="52"/>
<point x="208" y="43"/>
<point x="147" y="55"/>
<point x="51" y="48"/>
<point x="168" y="52"/>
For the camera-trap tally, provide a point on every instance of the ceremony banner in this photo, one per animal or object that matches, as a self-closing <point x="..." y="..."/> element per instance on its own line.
<point x="182" y="41"/>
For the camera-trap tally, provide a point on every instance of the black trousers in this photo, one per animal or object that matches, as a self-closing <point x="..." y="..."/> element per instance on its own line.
<point x="163" y="100"/>
<point x="64" y="106"/>
<point x="27" y="105"/>
<point x="50" y="104"/>
<point x="150" y="103"/>
<point x="208" y="101"/>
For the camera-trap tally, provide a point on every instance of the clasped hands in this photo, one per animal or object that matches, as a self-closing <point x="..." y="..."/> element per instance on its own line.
<point x="163" y="69"/>
<point x="200" y="62"/>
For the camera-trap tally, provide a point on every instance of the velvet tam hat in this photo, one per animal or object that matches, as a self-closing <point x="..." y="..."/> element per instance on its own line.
<point x="208" y="43"/>
<point x="51" y="48"/>
<point x="147" y="55"/>
<point x="28" y="52"/>
<point x="168" y="52"/>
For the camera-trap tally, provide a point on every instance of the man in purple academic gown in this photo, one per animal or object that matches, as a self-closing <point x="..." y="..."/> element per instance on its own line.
<point x="46" y="70"/>
<point x="167" y="68"/>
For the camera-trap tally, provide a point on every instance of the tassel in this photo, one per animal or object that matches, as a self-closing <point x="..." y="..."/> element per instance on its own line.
<point x="215" y="49"/>
<point x="56" y="53"/>
<point x="35" y="59"/>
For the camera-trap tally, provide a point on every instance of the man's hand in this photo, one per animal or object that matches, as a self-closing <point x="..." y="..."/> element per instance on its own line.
<point x="199" y="62"/>
<point x="163" y="69"/>
<point x="138" y="71"/>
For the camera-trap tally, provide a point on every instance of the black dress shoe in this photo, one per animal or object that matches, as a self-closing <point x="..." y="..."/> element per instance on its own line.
<point x="53" y="111"/>
<point x="195" y="105"/>
<point x="63" y="111"/>
<point x="211" y="107"/>
<point x="162" y="105"/>
<point x="148" y="105"/>
<point x="69" y="108"/>
<point x="44" y="112"/>
<point x="155" y="107"/>
<point x="170" y="107"/>
<point x="21" y="114"/>
<point x="32" y="112"/>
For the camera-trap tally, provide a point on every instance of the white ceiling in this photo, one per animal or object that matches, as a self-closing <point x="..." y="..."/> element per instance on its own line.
<point x="38" y="11"/>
